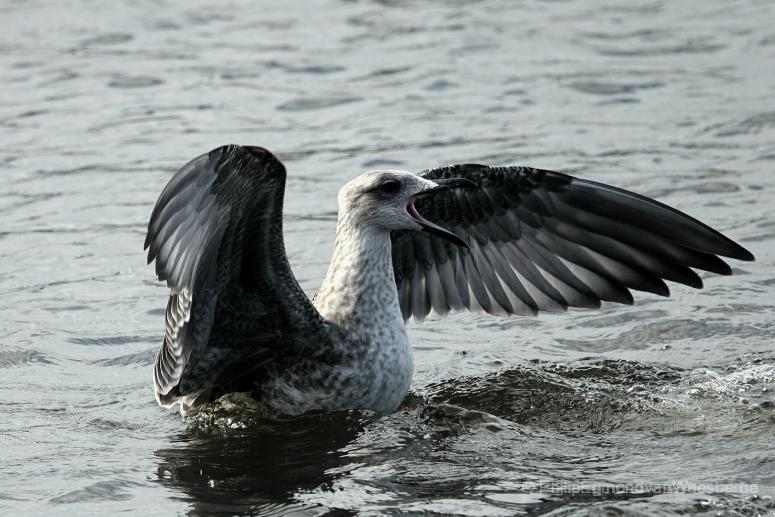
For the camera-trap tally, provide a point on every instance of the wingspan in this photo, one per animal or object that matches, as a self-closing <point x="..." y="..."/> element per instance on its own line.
<point x="234" y="304"/>
<point x="545" y="241"/>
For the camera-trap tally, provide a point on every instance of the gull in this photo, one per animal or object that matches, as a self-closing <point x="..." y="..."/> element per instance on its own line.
<point x="502" y="240"/>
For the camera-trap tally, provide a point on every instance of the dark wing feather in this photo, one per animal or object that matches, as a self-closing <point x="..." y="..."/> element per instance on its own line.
<point x="216" y="236"/>
<point x="542" y="240"/>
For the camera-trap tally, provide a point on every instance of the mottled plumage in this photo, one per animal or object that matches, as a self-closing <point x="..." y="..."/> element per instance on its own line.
<point x="511" y="240"/>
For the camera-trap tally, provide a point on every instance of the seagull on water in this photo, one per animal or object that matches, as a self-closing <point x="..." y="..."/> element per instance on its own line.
<point x="503" y="240"/>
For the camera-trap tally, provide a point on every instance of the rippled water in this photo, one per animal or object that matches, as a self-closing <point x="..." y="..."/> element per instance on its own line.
<point x="664" y="407"/>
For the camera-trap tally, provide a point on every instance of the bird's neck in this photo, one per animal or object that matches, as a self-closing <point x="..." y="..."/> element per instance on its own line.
<point x="359" y="292"/>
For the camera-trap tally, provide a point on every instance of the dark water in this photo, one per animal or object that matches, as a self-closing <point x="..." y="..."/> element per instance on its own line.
<point x="666" y="407"/>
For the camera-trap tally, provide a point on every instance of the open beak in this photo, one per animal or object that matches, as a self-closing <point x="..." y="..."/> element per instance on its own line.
<point x="442" y="185"/>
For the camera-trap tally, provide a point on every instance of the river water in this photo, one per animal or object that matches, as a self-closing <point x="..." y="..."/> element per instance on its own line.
<point x="665" y="407"/>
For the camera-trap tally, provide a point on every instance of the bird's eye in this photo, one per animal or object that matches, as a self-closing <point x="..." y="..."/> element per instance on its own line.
<point x="390" y="187"/>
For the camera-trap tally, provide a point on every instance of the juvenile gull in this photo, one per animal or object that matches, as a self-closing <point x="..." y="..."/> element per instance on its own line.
<point x="503" y="240"/>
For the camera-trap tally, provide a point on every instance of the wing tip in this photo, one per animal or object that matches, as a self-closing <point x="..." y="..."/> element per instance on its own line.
<point x="252" y="152"/>
<point x="723" y="268"/>
<point x="742" y="254"/>
<point x="730" y="249"/>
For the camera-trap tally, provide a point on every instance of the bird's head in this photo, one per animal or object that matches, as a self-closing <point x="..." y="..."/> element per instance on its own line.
<point x="386" y="199"/>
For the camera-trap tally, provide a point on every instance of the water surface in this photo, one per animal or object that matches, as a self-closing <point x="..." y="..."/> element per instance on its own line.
<point x="665" y="407"/>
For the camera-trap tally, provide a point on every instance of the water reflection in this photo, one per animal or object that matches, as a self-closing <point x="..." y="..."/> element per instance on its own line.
<point x="259" y="467"/>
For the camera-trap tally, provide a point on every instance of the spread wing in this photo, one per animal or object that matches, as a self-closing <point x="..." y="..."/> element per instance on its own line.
<point x="216" y="236"/>
<point x="542" y="241"/>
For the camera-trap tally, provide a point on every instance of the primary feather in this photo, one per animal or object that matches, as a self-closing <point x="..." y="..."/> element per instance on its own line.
<point x="542" y="240"/>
